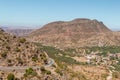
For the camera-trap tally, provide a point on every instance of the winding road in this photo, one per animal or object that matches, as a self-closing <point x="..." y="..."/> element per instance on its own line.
<point x="23" y="68"/>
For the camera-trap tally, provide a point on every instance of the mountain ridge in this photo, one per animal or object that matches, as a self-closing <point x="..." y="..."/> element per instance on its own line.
<point x="78" y="23"/>
<point x="76" y="33"/>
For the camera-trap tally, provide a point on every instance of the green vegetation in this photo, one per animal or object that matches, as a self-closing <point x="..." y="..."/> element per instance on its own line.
<point x="104" y="50"/>
<point x="42" y="68"/>
<point x="54" y="53"/>
<point x="10" y="77"/>
<point x="44" y="58"/>
<point x="117" y="67"/>
<point x="58" y="70"/>
<point x="17" y="49"/>
<point x="48" y="72"/>
<point x="70" y="52"/>
<point x="22" y="40"/>
<point x="78" y="75"/>
<point x="30" y="72"/>
<point x="44" y="71"/>
<point x="64" y="57"/>
<point x="35" y="58"/>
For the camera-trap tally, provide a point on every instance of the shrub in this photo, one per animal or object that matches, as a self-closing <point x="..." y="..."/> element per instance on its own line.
<point x="29" y="72"/>
<point x="17" y="49"/>
<point x="48" y="72"/>
<point x="117" y="67"/>
<point x="9" y="61"/>
<point x="42" y="69"/>
<point x="22" y="40"/>
<point x="10" y="77"/>
<point x="59" y="71"/>
<point x="4" y="55"/>
<point x="19" y="60"/>
<point x="34" y="59"/>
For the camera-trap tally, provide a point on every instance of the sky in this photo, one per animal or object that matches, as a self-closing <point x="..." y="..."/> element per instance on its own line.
<point x="40" y="12"/>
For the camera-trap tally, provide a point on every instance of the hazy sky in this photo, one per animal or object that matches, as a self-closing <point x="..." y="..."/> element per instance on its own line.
<point x="39" y="12"/>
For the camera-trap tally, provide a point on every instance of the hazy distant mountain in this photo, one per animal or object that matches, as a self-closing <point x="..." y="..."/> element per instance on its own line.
<point x="18" y="31"/>
<point x="76" y="33"/>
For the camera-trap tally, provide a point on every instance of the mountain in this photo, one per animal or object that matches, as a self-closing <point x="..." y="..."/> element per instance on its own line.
<point x="16" y="51"/>
<point x="76" y="26"/>
<point x="17" y="31"/>
<point x="79" y="32"/>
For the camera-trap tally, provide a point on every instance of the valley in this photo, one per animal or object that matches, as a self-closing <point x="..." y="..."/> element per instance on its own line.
<point x="81" y="49"/>
<point x="59" y="40"/>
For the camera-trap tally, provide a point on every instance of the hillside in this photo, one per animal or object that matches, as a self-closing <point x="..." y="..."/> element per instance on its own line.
<point x="16" y="51"/>
<point x="23" y="60"/>
<point x="75" y="33"/>
<point x="29" y="61"/>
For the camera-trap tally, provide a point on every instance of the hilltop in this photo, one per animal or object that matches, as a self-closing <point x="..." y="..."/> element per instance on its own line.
<point x="76" y="33"/>
<point x="76" y="26"/>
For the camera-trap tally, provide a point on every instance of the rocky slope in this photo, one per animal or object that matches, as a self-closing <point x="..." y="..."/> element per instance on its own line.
<point x="75" y="33"/>
<point x="23" y="60"/>
<point x="16" y="51"/>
